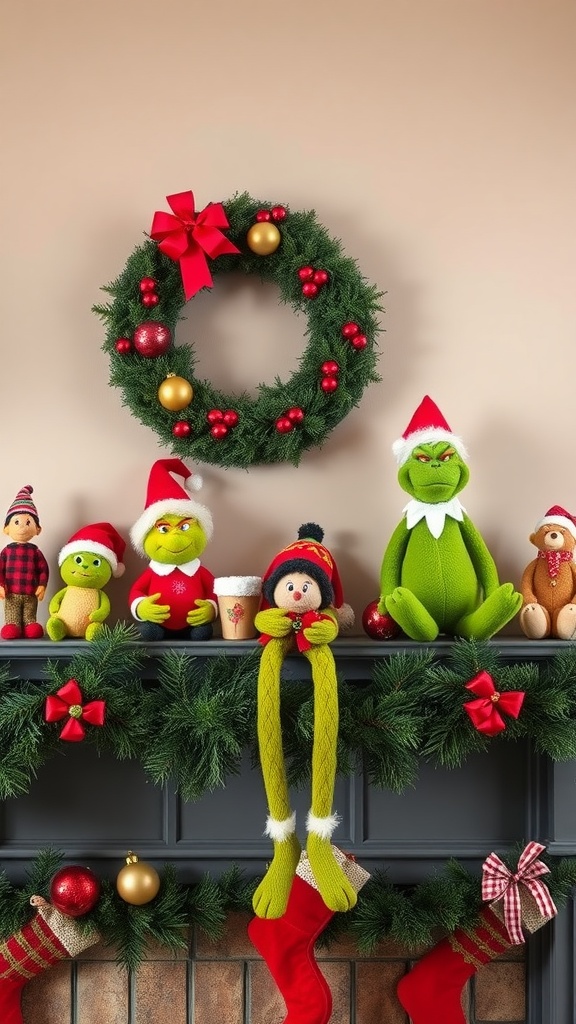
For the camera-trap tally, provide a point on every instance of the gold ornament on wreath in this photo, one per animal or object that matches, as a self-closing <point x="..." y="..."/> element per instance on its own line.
<point x="290" y="249"/>
<point x="137" y="883"/>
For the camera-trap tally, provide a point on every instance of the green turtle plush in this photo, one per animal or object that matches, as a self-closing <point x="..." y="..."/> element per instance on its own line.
<point x="437" y="574"/>
<point x="87" y="562"/>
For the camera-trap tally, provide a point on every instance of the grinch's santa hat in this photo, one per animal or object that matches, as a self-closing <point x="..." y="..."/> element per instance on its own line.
<point x="166" y="495"/>
<point x="558" y="516"/>
<point x="309" y="555"/>
<point x="99" y="539"/>
<point x="426" y="427"/>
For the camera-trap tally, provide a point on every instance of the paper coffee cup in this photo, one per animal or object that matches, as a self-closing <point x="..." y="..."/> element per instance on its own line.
<point x="238" y="603"/>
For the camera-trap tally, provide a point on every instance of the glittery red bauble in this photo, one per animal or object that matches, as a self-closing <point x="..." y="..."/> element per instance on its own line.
<point x="306" y="273"/>
<point x="74" y="890"/>
<point x="310" y="290"/>
<point x="350" y="329"/>
<point x="147" y="284"/>
<point x="263" y="215"/>
<point x="359" y="341"/>
<point x="378" y="626"/>
<point x="152" y="339"/>
<point x="295" y="414"/>
<point x="150" y="299"/>
<point x="279" y="213"/>
<point x="328" y="384"/>
<point x="321" y="277"/>
<point x="284" y="425"/>
<point x="215" y="416"/>
<point x="123" y="346"/>
<point x="230" y="418"/>
<point x="219" y="430"/>
<point x="330" y="367"/>
<point x="181" y="429"/>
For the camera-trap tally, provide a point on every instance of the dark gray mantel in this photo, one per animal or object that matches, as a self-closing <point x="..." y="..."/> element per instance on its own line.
<point x="96" y="809"/>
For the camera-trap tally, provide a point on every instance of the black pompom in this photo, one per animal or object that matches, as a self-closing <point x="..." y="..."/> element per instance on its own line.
<point x="311" y="531"/>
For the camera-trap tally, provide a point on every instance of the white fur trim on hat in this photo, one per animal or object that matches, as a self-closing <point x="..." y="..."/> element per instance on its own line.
<point x="95" y="549"/>
<point x="175" y="506"/>
<point x="323" y="827"/>
<point x="238" y="586"/>
<point x="404" y="446"/>
<point x="559" y="521"/>
<point x="280" y="831"/>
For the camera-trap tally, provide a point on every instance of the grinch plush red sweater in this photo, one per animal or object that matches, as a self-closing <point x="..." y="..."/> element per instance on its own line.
<point x="178" y="585"/>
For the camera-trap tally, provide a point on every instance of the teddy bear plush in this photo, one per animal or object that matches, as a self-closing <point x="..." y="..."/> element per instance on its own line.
<point x="437" y="574"/>
<point x="549" y="582"/>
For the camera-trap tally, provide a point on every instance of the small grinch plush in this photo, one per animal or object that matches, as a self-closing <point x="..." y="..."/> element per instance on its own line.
<point x="23" y="570"/>
<point x="303" y="607"/>
<point x="549" y="581"/>
<point x="87" y="562"/>
<point x="175" y="596"/>
<point x="437" y="574"/>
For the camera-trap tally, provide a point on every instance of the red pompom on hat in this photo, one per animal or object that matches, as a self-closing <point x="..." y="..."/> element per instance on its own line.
<point x="99" y="539"/>
<point x="560" y="517"/>
<point x="166" y="495"/>
<point x="426" y="427"/>
<point x="23" y="505"/>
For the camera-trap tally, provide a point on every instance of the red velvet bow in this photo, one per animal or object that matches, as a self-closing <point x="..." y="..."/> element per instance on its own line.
<point x="68" y="701"/>
<point x="498" y="881"/>
<point x="302" y="622"/>
<point x="485" y="718"/>
<point x="188" y="236"/>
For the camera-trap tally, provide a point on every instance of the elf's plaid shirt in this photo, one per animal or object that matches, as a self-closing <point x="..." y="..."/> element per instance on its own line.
<point x="23" y="568"/>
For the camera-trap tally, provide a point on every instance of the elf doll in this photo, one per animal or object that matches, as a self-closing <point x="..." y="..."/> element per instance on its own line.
<point x="302" y="610"/>
<point x="23" y="570"/>
<point x="174" y="597"/>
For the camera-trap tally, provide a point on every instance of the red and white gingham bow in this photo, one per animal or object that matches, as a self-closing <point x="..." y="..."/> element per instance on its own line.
<point x="498" y="881"/>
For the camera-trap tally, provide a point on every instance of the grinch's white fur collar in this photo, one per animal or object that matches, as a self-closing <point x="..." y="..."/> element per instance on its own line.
<point x="435" y="515"/>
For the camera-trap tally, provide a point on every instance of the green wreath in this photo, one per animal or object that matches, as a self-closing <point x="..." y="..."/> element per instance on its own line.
<point x="157" y="378"/>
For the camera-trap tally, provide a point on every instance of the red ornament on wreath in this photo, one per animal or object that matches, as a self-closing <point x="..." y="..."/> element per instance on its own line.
<point x="378" y="626"/>
<point x="123" y="346"/>
<point x="147" y="284"/>
<point x="152" y="339"/>
<point x="329" y="385"/>
<point x="74" y="890"/>
<point x="182" y="429"/>
<point x="150" y="299"/>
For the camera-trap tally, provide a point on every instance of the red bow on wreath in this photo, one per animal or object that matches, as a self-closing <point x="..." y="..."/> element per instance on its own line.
<point x="498" y="881"/>
<point x="188" y="236"/>
<point x="68" y="702"/>
<point x="483" y="712"/>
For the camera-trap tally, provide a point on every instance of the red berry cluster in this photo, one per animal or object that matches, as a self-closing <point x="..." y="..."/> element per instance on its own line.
<point x="353" y="334"/>
<point x="292" y="418"/>
<point x="329" y="381"/>
<point x="277" y="213"/>
<point x="148" y="294"/>
<point x="221" y="422"/>
<point x="312" y="281"/>
<point x="182" y="429"/>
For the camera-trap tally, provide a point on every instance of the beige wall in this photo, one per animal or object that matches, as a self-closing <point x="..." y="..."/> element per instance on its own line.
<point x="434" y="137"/>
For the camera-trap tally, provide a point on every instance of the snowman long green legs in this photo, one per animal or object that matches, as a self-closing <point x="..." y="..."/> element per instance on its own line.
<point x="271" y="895"/>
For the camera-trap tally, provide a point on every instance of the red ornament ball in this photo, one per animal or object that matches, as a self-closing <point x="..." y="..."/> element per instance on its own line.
<point x="123" y="346"/>
<point x="150" y="299"/>
<point x="279" y="213"/>
<point x="263" y="215"/>
<point x="295" y="414"/>
<point x="310" y="290"/>
<point x="350" y="329"/>
<point x="147" y="284"/>
<point x="152" y="339"/>
<point x="181" y="429"/>
<point x="378" y="626"/>
<point x="215" y="416"/>
<point x="218" y="431"/>
<point x="328" y="384"/>
<point x="330" y="368"/>
<point x="306" y="273"/>
<point x="284" y="425"/>
<point x="74" y="890"/>
<point x="359" y="341"/>
<point x="321" y="277"/>
<point x="230" y="418"/>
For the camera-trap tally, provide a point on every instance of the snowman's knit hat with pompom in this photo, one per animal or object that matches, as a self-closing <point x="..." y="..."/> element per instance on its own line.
<point x="166" y="496"/>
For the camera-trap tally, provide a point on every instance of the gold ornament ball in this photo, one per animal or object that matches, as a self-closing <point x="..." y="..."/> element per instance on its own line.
<point x="137" y="883"/>
<point x="263" y="238"/>
<point x="175" y="393"/>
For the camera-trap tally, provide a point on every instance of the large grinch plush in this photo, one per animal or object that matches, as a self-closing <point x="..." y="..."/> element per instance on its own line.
<point x="437" y="574"/>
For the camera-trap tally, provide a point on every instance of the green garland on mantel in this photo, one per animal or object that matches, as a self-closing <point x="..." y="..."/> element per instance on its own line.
<point x="410" y="916"/>
<point x="191" y="723"/>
